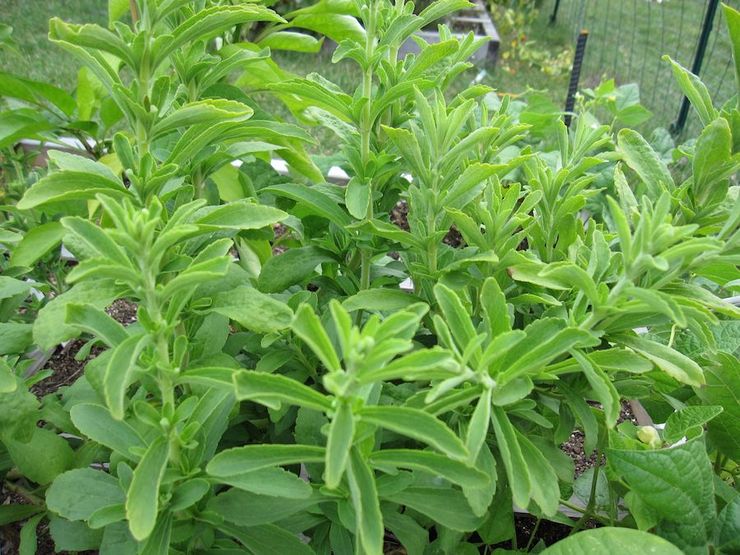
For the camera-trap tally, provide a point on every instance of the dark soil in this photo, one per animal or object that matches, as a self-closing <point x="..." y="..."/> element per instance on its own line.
<point x="65" y="369"/>
<point x="399" y="215"/>
<point x="10" y="535"/>
<point x="574" y="446"/>
<point x="280" y="230"/>
<point x="548" y="531"/>
<point x="122" y="311"/>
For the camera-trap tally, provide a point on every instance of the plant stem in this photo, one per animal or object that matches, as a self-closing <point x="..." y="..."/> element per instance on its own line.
<point x="533" y="534"/>
<point x="23" y="492"/>
<point x="134" y="11"/>
<point x="365" y="269"/>
<point x="592" y="496"/>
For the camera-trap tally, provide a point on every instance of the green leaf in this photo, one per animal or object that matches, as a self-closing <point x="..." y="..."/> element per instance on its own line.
<point x="339" y="444"/>
<point x="253" y="310"/>
<point x="438" y="465"/>
<point x="419" y="365"/>
<point x="673" y="363"/>
<point x="493" y="302"/>
<point x="188" y="493"/>
<point x="470" y="184"/>
<point x="316" y="201"/>
<point x="612" y="540"/>
<point x="15" y="337"/>
<point x="380" y="299"/>
<point x="8" y="380"/>
<point x="96" y="422"/>
<point x="96" y="322"/>
<point x="603" y="388"/>
<point x="95" y="240"/>
<point x="545" y="341"/>
<point x="36" y="243"/>
<point x="727" y="535"/>
<point x="268" y="539"/>
<point x="640" y="156"/>
<point x="291" y="267"/>
<point x="116" y="10"/>
<point x="712" y="163"/>
<point x="695" y="91"/>
<point x="14" y="513"/>
<point x="513" y="457"/>
<point x="369" y="521"/>
<point x="77" y="494"/>
<point x="240" y="215"/>
<point x="69" y="185"/>
<point x="93" y="37"/>
<point x="357" y="197"/>
<point x="42" y="458"/>
<point x="142" y="499"/>
<point x="677" y="485"/>
<point x="723" y="389"/>
<point x="337" y="27"/>
<point x="208" y="111"/>
<point x="119" y="373"/>
<point x="446" y="506"/>
<point x="274" y="482"/>
<point x="28" y="536"/>
<point x="455" y="315"/>
<point x="274" y="389"/>
<point x="208" y="23"/>
<point x="286" y="40"/>
<point x="544" y="488"/>
<point x="336" y="103"/>
<point x="307" y="326"/>
<point x="73" y="536"/>
<point x="732" y="17"/>
<point x="248" y="509"/>
<point x="253" y="457"/>
<point x="687" y="419"/>
<point x="416" y="424"/>
<point x="35" y="92"/>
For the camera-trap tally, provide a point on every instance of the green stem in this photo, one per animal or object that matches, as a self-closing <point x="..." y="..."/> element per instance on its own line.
<point x="365" y="270"/>
<point x="592" y="496"/>
<point x="23" y="492"/>
<point x="533" y="534"/>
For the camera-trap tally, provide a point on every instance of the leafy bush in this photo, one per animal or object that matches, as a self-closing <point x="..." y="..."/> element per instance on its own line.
<point x="373" y="379"/>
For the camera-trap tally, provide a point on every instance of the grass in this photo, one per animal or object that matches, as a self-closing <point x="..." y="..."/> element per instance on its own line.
<point x="40" y="59"/>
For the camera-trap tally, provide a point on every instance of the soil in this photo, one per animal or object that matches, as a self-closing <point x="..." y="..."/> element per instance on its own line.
<point x="279" y="230"/>
<point x="65" y="368"/>
<point x="574" y="446"/>
<point x="122" y="311"/>
<point x="548" y="532"/>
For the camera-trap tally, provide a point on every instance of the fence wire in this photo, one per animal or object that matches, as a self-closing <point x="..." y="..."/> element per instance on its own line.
<point x="628" y="37"/>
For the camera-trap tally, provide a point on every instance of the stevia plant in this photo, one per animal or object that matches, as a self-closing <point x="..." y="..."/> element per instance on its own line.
<point x="300" y="402"/>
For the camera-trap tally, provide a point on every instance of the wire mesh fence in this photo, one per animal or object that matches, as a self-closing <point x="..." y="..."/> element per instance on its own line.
<point x="628" y="37"/>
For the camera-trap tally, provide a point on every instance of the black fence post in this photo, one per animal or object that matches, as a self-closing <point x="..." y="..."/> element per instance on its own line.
<point x="701" y="49"/>
<point x="554" y="15"/>
<point x="575" y="75"/>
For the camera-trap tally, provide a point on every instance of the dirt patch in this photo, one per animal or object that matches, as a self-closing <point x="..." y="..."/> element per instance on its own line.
<point x="574" y="446"/>
<point x="122" y="311"/>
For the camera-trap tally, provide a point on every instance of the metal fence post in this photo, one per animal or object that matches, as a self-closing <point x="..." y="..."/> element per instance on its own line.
<point x="554" y="15"/>
<point x="701" y="49"/>
<point x="575" y="75"/>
